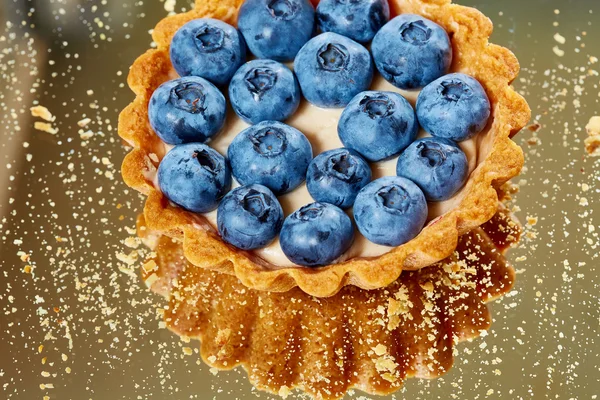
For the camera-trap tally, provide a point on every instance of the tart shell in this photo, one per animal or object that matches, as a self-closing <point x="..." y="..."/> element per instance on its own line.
<point x="494" y="66"/>
<point x="368" y="340"/>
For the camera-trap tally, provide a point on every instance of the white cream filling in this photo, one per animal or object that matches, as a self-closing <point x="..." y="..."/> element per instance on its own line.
<point x="320" y="127"/>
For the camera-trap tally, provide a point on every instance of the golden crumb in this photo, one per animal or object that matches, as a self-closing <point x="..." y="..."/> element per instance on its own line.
<point x="128" y="259"/>
<point x="151" y="280"/>
<point x="132" y="242"/>
<point x="150" y="266"/>
<point x="592" y="142"/>
<point x="43" y="113"/>
<point x="45" y="127"/>
<point x="284" y="392"/>
<point x="427" y="286"/>
<point x="385" y="364"/>
<point x="380" y="350"/>
<point x="86" y="135"/>
<point x="187" y="351"/>
<point x="84" y="122"/>
<point x="532" y="220"/>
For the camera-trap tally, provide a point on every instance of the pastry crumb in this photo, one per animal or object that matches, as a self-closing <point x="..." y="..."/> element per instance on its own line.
<point x="592" y="142"/>
<point x="380" y="350"/>
<point x="43" y="113"/>
<point x="284" y="392"/>
<point x="45" y="127"/>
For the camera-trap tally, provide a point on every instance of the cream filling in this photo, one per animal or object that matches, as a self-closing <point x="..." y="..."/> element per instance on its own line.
<point x="320" y="127"/>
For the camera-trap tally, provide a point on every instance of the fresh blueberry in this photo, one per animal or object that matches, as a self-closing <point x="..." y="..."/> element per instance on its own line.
<point x="208" y="48"/>
<point x="378" y="125"/>
<point x="332" y="69"/>
<point x="194" y="176"/>
<point x="453" y="107"/>
<point x="438" y="166"/>
<point x="188" y="109"/>
<point x="411" y="51"/>
<point x="357" y="19"/>
<point x="264" y="90"/>
<point x="336" y="177"/>
<point x="276" y="29"/>
<point x="317" y="234"/>
<point x="272" y="154"/>
<point x="390" y="211"/>
<point x="249" y="217"/>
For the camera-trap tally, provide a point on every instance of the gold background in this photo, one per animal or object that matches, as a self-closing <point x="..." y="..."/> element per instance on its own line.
<point x="77" y="302"/>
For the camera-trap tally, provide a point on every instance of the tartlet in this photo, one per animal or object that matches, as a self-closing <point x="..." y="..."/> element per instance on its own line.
<point x="368" y="340"/>
<point x="499" y="159"/>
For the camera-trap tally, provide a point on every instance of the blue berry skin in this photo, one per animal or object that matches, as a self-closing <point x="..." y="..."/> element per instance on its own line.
<point x="332" y="69"/>
<point x="316" y="234"/>
<point x="453" y="107"/>
<point x="264" y="90"/>
<point x="357" y="19"/>
<point x="208" y="48"/>
<point x="249" y="217"/>
<point x="378" y="125"/>
<point x="276" y="29"/>
<point x="336" y="176"/>
<point x="185" y="110"/>
<point x="271" y="154"/>
<point x="194" y="176"/>
<point x="411" y="51"/>
<point x="390" y="211"/>
<point x="438" y="166"/>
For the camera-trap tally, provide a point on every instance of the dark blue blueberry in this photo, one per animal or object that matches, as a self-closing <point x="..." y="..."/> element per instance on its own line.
<point x="332" y="69"/>
<point x="438" y="166"/>
<point x="378" y="125"/>
<point x="194" y="176"/>
<point x="317" y="234"/>
<point x="453" y="107"/>
<point x="264" y="90"/>
<point x="411" y="51"/>
<point x="357" y="19"/>
<point x="390" y="211"/>
<point x="336" y="177"/>
<point x="271" y="154"/>
<point x="188" y="109"/>
<point x="276" y="29"/>
<point x="208" y="48"/>
<point x="249" y="217"/>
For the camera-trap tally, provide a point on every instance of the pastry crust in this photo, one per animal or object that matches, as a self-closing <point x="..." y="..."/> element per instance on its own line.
<point x="494" y="66"/>
<point x="369" y="340"/>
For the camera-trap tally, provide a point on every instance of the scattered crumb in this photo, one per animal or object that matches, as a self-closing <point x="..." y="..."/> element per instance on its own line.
<point x="45" y="127"/>
<point x="43" y="113"/>
<point x="592" y="142"/>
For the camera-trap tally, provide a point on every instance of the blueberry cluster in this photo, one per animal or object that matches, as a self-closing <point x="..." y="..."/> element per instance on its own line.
<point x="332" y="69"/>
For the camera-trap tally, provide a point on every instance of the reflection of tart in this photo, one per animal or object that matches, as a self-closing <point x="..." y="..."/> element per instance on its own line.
<point x="369" y="340"/>
<point x="492" y="157"/>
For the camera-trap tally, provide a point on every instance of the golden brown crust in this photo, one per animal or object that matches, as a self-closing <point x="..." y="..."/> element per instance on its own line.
<point x="370" y="340"/>
<point x="495" y="67"/>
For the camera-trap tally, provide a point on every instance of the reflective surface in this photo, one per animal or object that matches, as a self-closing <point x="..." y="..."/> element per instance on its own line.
<point x="65" y="279"/>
